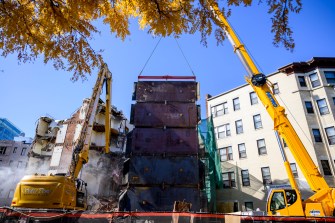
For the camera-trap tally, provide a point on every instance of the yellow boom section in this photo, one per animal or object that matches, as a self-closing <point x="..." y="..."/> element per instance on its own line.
<point x="80" y="154"/>
<point x="281" y="123"/>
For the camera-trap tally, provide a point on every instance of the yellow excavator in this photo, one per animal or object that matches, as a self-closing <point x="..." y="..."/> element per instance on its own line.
<point x="284" y="202"/>
<point x="61" y="191"/>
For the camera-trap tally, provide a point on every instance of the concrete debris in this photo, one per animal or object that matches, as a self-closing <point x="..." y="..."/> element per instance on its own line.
<point x="105" y="204"/>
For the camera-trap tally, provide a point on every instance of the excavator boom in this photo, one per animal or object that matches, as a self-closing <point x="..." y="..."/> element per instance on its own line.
<point x="80" y="154"/>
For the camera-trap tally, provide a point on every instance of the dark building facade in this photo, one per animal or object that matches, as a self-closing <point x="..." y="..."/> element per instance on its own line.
<point x="163" y="164"/>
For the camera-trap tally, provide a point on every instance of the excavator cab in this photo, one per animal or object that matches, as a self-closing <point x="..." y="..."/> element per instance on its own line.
<point x="284" y="202"/>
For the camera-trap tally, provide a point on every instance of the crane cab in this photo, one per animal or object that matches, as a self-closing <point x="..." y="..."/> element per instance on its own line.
<point x="284" y="202"/>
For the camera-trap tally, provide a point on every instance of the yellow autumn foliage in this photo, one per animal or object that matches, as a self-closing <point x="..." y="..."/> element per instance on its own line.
<point x="60" y="30"/>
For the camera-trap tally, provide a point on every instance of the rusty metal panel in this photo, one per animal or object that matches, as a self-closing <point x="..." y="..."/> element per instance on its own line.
<point x="165" y="114"/>
<point x="155" y="91"/>
<point x="154" y="170"/>
<point x="157" y="198"/>
<point x="159" y="141"/>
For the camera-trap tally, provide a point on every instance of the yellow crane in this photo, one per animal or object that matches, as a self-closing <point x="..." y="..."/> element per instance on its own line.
<point x="321" y="203"/>
<point x="67" y="191"/>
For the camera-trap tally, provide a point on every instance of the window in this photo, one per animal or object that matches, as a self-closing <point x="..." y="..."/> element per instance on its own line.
<point x="266" y="175"/>
<point x="236" y="104"/>
<point x="257" y="121"/>
<point x="326" y="168"/>
<point x="302" y="81"/>
<point x="323" y="107"/>
<point x="11" y="163"/>
<point x="330" y="77"/>
<point x="275" y="88"/>
<point x="3" y="150"/>
<point x="261" y="146"/>
<point x="23" y="152"/>
<point x="334" y="100"/>
<point x="330" y="132"/>
<point x="226" y="153"/>
<point x="314" y="80"/>
<point x="223" y="131"/>
<point x="217" y="110"/>
<point x="19" y="164"/>
<point x="14" y="150"/>
<point x="317" y="135"/>
<point x="239" y="126"/>
<point x="249" y="206"/>
<point x="242" y="153"/>
<point x="277" y="201"/>
<point x="220" y="109"/>
<point x="228" y="179"/>
<point x="225" y="108"/>
<point x="291" y="196"/>
<point x="245" y="177"/>
<point x="309" y="107"/>
<point x="253" y="98"/>
<point x="11" y="193"/>
<point x="294" y="169"/>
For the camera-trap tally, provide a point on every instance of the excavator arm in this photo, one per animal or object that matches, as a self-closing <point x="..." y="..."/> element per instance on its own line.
<point x="80" y="153"/>
<point x="282" y="126"/>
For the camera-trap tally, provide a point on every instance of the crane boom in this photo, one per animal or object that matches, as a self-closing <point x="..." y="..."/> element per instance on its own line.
<point x="282" y="126"/>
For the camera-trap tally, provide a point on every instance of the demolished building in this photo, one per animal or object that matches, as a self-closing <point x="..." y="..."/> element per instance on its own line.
<point x="53" y="146"/>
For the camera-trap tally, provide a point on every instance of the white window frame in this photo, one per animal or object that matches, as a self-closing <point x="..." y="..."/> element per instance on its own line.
<point x="257" y="121"/>
<point x="242" y="151"/>
<point x="323" y="106"/>
<point x="330" y="132"/>
<point x="275" y="88"/>
<point x="253" y="98"/>
<point x="245" y="178"/>
<point x="226" y="153"/>
<point x="239" y="126"/>
<point x="236" y="104"/>
<point x="266" y="175"/>
<point x="294" y="169"/>
<point x="315" y="80"/>
<point x="223" y="131"/>
<point x="261" y="146"/>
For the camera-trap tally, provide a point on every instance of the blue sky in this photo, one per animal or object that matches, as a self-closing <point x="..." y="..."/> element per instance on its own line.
<point x="31" y="90"/>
